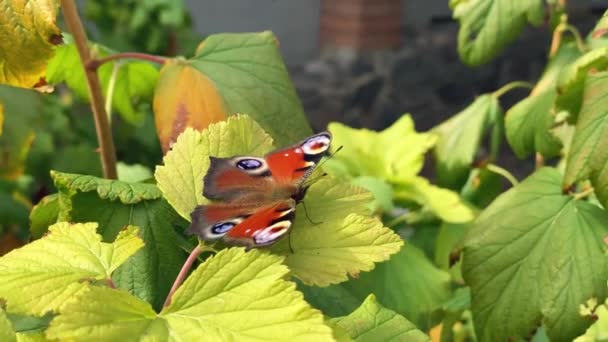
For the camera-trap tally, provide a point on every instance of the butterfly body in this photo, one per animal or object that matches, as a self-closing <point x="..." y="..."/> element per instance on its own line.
<point x="256" y="197"/>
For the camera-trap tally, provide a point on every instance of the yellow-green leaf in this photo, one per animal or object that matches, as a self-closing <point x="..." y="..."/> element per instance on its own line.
<point x="234" y="295"/>
<point x="346" y="241"/>
<point x="29" y="35"/>
<point x="181" y="177"/>
<point x="184" y="97"/>
<point x="42" y="275"/>
<point x="7" y="334"/>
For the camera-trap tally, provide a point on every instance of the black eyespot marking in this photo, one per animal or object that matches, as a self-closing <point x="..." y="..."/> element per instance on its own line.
<point x="222" y="227"/>
<point x="249" y="164"/>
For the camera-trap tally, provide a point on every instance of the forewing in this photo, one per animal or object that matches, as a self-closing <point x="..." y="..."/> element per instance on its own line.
<point x="292" y="165"/>
<point x="225" y="181"/>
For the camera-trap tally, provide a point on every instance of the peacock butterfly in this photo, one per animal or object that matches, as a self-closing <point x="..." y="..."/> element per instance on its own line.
<point x="257" y="196"/>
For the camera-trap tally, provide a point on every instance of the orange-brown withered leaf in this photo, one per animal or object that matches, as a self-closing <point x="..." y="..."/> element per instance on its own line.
<point x="184" y="97"/>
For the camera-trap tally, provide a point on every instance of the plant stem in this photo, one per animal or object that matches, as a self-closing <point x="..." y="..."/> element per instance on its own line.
<point x="503" y="172"/>
<point x="96" y="63"/>
<point x="583" y="194"/>
<point x="512" y="85"/>
<point x="110" y="90"/>
<point x="183" y="273"/>
<point x="104" y="133"/>
<point x="539" y="161"/>
<point x="110" y="283"/>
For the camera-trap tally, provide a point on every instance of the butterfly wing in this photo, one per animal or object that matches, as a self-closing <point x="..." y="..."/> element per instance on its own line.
<point x="292" y="165"/>
<point x="247" y="225"/>
<point x="229" y="179"/>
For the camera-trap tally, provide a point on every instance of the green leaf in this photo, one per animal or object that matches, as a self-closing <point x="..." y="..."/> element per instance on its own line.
<point x="482" y="187"/>
<point x="460" y="137"/>
<point x="30" y="33"/>
<point x="383" y="192"/>
<point x="345" y="242"/>
<point x="408" y="283"/>
<point x="333" y="300"/>
<point x="126" y="193"/>
<point x="534" y="255"/>
<point x="133" y="173"/>
<point x="257" y="85"/>
<point x="488" y="26"/>
<point x="150" y="273"/>
<point x="42" y="275"/>
<point x="395" y="154"/>
<point x="133" y="82"/>
<point x="528" y="126"/>
<point x="372" y="322"/>
<point x="444" y="203"/>
<point x="234" y="295"/>
<point x="181" y="177"/>
<point x="43" y="215"/>
<point x="587" y="157"/>
<point x="21" y="109"/>
<point x="381" y="155"/>
<point x="7" y="333"/>
<point x="571" y="82"/>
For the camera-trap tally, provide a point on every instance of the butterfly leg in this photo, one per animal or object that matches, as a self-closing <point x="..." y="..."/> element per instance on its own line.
<point x="308" y="217"/>
<point x="289" y="243"/>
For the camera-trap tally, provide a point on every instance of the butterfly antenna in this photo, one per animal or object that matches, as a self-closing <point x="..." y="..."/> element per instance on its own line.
<point x="307" y="216"/>
<point x="331" y="155"/>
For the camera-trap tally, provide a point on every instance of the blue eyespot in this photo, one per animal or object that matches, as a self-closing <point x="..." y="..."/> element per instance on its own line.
<point x="248" y="164"/>
<point x="222" y="227"/>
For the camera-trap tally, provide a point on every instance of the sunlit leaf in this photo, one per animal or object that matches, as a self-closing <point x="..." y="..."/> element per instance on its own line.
<point x="484" y="32"/>
<point x="42" y="275"/>
<point x="248" y="72"/>
<point x="397" y="153"/>
<point x="395" y="156"/>
<point x="134" y="81"/>
<point x="337" y="237"/>
<point x="598" y="331"/>
<point x="534" y="255"/>
<point x="29" y="34"/>
<point x="233" y="295"/>
<point x="6" y="328"/>
<point x="372" y="322"/>
<point x="149" y="273"/>
<point x="184" y="97"/>
<point x="181" y="177"/>
<point x="444" y="203"/>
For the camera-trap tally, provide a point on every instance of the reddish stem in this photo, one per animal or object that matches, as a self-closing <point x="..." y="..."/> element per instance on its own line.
<point x="96" y="63"/>
<point x="183" y="273"/>
<point x="110" y="283"/>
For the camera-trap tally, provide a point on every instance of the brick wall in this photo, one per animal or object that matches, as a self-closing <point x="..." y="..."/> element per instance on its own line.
<point x="361" y="24"/>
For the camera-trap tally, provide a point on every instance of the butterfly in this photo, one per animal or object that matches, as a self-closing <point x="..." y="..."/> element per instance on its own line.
<point x="255" y="197"/>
